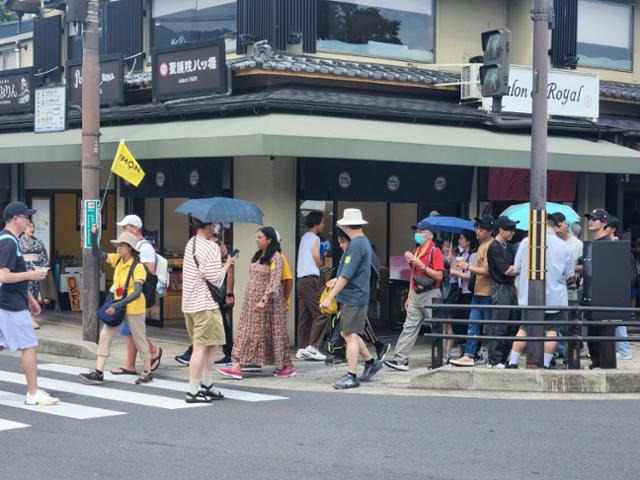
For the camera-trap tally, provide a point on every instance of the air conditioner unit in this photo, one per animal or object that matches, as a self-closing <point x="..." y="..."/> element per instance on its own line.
<point x="470" y="83"/>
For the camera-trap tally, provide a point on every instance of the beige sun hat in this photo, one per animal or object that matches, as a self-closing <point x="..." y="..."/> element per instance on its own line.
<point x="128" y="238"/>
<point x="350" y="217"/>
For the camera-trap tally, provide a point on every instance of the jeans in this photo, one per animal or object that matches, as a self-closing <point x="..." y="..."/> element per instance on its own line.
<point x="622" y="348"/>
<point x="471" y="346"/>
<point x="501" y="294"/>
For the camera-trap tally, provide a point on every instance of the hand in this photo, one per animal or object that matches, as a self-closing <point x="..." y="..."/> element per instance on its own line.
<point x="34" y="307"/>
<point x="409" y="256"/>
<point x="229" y="262"/>
<point x="223" y="250"/>
<point x="260" y="305"/>
<point x="331" y="283"/>
<point x="37" y="275"/>
<point x="110" y="311"/>
<point x="326" y="304"/>
<point x="462" y="265"/>
<point x="94" y="229"/>
<point x="230" y="302"/>
<point x="511" y="271"/>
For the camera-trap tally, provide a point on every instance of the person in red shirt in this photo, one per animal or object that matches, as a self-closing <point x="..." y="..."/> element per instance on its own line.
<point x="427" y="269"/>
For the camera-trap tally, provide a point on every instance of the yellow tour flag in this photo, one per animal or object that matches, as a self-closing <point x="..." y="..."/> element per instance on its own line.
<point x="126" y="166"/>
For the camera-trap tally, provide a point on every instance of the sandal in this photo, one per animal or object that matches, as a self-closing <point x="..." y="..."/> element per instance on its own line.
<point x="156" y="359"/>
<point x="197" y="398"/>
<point x="145" y="377"/>
<point x="211" y="392"/>
<point x="123" y="371"/>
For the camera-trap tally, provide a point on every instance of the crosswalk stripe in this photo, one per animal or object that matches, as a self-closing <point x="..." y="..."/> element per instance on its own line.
<point x="9" y="425"/>
<point x="70" y="410"/>
<point x="160" y="383"/>
<point x="101" y="392"/>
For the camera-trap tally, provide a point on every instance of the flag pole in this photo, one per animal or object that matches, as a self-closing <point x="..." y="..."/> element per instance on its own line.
<point x="106" y="190"/>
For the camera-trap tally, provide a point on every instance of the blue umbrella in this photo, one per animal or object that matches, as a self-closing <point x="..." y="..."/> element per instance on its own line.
<point x="520" y="213"/>
<point x="447" y="224"/>
<point x="222" y="210"/>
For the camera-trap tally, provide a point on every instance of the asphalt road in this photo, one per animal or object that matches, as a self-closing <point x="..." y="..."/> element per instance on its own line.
<point x="311" y="436"/>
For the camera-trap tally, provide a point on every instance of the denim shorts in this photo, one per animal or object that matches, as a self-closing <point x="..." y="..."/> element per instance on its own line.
<point x="16" y="330"/>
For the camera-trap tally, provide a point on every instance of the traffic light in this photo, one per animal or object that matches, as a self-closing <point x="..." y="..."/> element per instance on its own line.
<point x="494" y="72"/>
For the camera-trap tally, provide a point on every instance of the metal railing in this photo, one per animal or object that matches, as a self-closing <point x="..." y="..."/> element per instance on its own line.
<point x="605" y="329"/>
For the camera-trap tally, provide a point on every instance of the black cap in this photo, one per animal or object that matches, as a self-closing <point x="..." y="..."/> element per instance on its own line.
<point x="17" y="208"/>
<point x="485" y="222"/>
<point x="598" y="214"/>
<point x="506" y="223"/>
<point x="556" y="218"/>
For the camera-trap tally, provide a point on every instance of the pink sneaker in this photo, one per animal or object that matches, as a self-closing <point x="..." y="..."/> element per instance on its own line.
<point x="230" y="372"/>
<point x="286" y="372"/>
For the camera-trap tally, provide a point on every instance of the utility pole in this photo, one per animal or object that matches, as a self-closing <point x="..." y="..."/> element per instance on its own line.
<point x="541" y="16"/>
<point x="90" y="163"/>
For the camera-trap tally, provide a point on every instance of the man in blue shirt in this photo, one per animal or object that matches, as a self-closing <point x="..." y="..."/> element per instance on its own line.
<point x="559" y="266"/>
<point x="351" y="289"/>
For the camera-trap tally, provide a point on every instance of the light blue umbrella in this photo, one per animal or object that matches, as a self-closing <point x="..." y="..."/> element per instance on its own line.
<point x="520" y="213"/>
<point x="222" y="210"/>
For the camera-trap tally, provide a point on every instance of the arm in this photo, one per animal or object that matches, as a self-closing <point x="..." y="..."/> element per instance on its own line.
<point x="7" y="276"/>
<point x="43" y="259"/>
<point x="316" y="253"/>
<point x="95" y="247"/>
<point x="287" y="287"/>
<point x="137" y="291"/>
<point x="339" y="285"/>
<point x="274" y="279"/>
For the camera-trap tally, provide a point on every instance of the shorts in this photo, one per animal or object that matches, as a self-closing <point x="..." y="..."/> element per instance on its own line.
<point x="548" y="317"/>
<point x="353" y="318"/>
<point x="16" y="330"/>
<point x="205" y="328"/>
<point x="125" y="331"/>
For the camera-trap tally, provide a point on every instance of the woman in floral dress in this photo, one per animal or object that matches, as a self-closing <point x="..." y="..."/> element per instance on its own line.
<point x="262" y="337"/>
<point x="35" y="256"/>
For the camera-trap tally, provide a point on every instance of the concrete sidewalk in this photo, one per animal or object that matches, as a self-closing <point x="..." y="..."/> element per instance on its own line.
<point x="60" y="335"/>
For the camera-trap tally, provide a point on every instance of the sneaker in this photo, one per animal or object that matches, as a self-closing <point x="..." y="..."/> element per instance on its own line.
<point x="230" y="372"/>
<point x="285" y="372"/>
<point x="41" y="398"/>
<point x="224" y="361"/>
<point x="199" y="397"/>
<point x="398" y="365"/>
<point x="185" y="358"/>
<point x="211" y="392"/>
<point x="512" y="365"/>
<point x="347" y="381"/>
<point x="93" y="376"/>
<point x="145" y="377"/>
<point x="335" y="361"/>
<point x="381" y="352"/>
<point x="479" y="359"/>
<point x="619" y="356"/>
<point x="370" y="370"/>
<point x="302" y="353"/>
<point x="496" y="365"/>
<point x="314" y="354"/>
<point x="464" y="361"/>
<point x="251" y="367"/>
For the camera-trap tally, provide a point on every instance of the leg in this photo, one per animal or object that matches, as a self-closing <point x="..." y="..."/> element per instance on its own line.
<point x="319" y="321"/>
<point x="228" y="333"/>
<point x="622" y="348"/>
<point x="411" y="329"/>
<point x="550" y="347"/>
<point x="30" y="369"/>
<point x="354" y="348"/>
<point x="519" y="346"/>
<point x="107" y="334"/>
<point x="132" y="351"/>
<point x="304" y="313"/>
<point x="138" y="333"/>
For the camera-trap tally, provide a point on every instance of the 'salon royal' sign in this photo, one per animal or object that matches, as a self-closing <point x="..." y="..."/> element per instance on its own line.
<point x="570" y="94"/>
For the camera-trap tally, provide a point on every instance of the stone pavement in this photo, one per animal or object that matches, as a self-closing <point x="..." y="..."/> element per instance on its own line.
<point x="61" y="335"/>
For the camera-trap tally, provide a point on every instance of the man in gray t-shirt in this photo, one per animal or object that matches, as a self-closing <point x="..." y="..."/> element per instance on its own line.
<point x="351" y="289"/>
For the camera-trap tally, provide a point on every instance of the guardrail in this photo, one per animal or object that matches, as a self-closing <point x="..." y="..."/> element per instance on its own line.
<point x="575" y="326"/>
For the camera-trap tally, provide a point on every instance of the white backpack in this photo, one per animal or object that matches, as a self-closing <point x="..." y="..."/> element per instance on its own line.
<point x="162" y="272"/>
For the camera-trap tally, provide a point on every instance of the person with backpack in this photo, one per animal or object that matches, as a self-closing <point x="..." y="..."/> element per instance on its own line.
<point x="17" y="303"/>
<point x="128" y="279"/>
<point x="427" y="271"/>
<point x="147" y="255"/>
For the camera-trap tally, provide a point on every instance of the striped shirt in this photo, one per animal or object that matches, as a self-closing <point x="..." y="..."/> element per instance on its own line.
<point x="195" y="293"/>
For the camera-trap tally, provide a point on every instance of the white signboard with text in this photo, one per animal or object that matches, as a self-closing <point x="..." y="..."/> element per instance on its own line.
<point x="50" y="109"/>
<point x="569" y="93"/>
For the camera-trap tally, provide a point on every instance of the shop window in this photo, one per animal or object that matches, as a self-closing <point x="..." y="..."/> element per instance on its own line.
<point x="378" y="28"/>
<point x="177" y="23"/>
<point x="605" y="34"/>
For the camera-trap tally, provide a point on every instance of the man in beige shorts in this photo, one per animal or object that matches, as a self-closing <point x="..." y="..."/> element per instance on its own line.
<point x="202" y="314"/>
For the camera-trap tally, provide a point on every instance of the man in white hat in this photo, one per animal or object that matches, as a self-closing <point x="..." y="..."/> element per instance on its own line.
<point x="351" y="289"/>
<point x="147" y="255"/>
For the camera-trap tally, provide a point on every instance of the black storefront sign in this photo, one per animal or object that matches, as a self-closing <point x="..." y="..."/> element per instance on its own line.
<point x="192" y="70"/>
<point x="111" y="80"/>
<point x="370" y="181"/>
<point x="16" y="90"/>
<point x="179" y="177"/>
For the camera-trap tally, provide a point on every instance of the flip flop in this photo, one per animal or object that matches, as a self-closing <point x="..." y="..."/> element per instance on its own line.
<point x="157" y="359"/>
<point x="123" y="371"/>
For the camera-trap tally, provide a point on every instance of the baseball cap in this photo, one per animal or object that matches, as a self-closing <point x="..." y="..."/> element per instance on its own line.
<point x="17" y="208"/>
<point x="598" y="214"/>
<point x="506" y="223"/>
<point x="485" y="222"/>
<point x="421" y="225"/>
<point x="133" y="220"/>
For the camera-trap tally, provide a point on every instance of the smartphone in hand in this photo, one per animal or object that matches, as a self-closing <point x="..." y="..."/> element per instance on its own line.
<point x="235" y="252"/>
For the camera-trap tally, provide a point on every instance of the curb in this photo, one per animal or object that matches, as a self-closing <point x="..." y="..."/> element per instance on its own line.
<point x="85" y="351"/>
<point x="540" y="381"/>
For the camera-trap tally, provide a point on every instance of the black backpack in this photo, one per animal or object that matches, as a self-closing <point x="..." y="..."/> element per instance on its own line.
<point x="149" y="285"/>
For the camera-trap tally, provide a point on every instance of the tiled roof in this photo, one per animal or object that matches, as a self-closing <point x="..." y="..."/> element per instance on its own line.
<point x="625" y="91"/>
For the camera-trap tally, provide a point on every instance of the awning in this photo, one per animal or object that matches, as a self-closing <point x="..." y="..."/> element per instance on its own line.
<point x="324" y="137"/>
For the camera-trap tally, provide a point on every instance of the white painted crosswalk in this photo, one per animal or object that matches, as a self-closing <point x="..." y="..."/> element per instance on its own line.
<point x="65" y="409"/>
<point x="9" y="425"/>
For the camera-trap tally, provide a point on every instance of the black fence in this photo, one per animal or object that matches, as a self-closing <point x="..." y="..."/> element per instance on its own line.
<point x="616" y="316"/>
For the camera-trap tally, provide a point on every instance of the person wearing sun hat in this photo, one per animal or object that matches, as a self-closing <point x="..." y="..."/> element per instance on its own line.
<point x="124" y="262"/>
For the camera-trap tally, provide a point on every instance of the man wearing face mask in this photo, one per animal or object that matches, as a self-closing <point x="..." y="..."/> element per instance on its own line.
<point x="427" y="269"/>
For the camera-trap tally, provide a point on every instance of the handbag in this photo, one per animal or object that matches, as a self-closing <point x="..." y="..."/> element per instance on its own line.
<point x="333" y="308"/>
<point x="115" y="319"/>
<point x="218" y="294"/>
<point x="424" y="283"/>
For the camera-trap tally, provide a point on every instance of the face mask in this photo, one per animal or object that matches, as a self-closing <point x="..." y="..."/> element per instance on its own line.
<point x="419" y="238"/>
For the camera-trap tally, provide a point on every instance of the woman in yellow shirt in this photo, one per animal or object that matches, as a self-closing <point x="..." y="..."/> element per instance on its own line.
<point x="133" y="300"/>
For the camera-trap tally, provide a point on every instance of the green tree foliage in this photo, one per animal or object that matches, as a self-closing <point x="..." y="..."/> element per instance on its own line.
<point x="6" y="15"/>
<point x="356" y="24"/>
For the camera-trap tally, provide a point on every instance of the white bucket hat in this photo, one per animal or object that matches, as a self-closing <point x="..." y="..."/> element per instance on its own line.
<point x="350" y="217"/>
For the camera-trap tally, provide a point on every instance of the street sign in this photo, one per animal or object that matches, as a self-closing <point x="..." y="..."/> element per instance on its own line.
<point x="91" y="217"/>
<point x="50" y="110"/>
